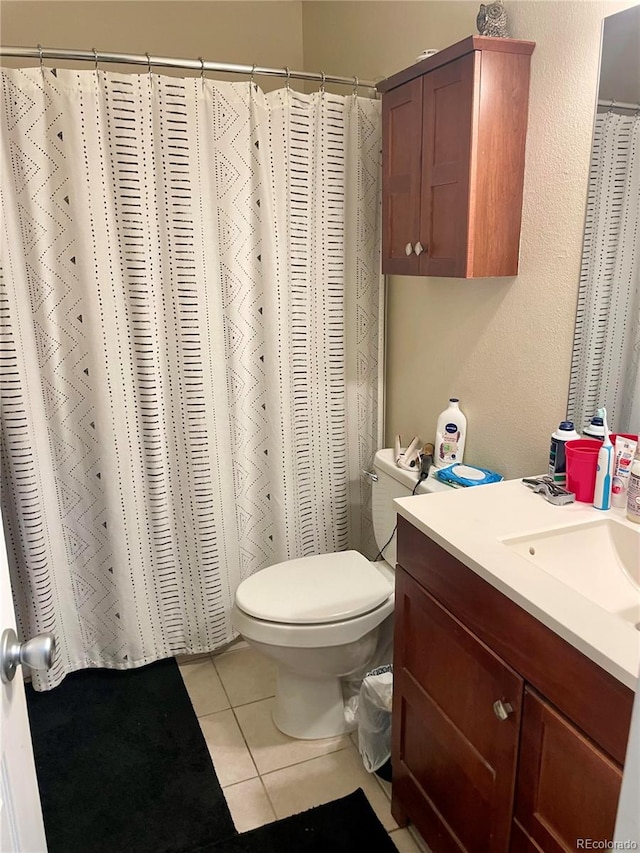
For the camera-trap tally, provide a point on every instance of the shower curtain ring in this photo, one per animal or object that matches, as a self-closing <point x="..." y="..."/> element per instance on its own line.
<point x="286" y="68"/>
<point x="324" y="77"/>
<point x="252" y="79"/>
<point x="611" y="105"/>
<point x="201" y="71"/>
<point x="149" y="65"/>
<point x="40" y="55"/>
<point x="355" y="86"/>
<point x="95" y="58"/>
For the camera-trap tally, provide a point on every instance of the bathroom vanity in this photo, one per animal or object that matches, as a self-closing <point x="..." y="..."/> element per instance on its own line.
<point x="513" y="690"/>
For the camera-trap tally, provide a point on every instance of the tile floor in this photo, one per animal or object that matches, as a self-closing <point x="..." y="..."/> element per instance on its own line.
<point x="264" y="774"/>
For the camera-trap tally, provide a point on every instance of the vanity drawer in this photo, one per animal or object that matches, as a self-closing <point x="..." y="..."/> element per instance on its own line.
<point x="594" y="700"/>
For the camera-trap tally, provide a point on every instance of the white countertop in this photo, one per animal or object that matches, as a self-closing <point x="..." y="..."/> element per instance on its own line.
<point x="470" y="524"/>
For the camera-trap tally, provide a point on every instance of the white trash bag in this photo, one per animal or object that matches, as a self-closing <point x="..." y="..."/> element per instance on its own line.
<point x="374" y="717"/>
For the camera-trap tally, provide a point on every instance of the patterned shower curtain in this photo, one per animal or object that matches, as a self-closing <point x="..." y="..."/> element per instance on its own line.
<point x="606" y="347"/>
<point x="189" y="349"/>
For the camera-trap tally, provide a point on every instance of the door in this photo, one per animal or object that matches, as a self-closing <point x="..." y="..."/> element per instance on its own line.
<point x="21" y="827"/>
<point x="401" y="168"/>
<point x="449" y="96"/>
<point x="567" y="788"/>
<point x="455" y="737"/>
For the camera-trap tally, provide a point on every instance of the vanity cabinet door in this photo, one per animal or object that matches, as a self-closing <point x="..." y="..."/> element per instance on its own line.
<point x="401" y="164"/>
<point x="567" y="788"/>
<point x="453" y="758"/>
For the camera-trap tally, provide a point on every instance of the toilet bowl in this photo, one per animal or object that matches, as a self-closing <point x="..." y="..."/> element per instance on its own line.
<point x="322" y="618"/>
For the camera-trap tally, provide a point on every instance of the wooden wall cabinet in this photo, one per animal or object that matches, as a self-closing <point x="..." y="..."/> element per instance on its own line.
<point x="454" y="128"/>
<point x="506" y="739"/>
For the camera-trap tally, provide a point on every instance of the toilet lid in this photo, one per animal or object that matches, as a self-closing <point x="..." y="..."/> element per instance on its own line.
<point x="324" y="588"/>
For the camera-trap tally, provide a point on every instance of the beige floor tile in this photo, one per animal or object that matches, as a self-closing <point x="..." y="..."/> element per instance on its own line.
<point x="247" y="675"/>
<point x="238" y="643"/>
<point x="404" y="841"/>
<point x="182" y="659"/>
<point x="204" y="687"/>
<point x="231" y="758"/>
<point x="249" y="805"/>
<point x="320" y="780"/>
<point x="386" y="786"/>
<point x="272" y="750"/>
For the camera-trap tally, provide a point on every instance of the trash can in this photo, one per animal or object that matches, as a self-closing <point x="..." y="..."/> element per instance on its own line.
<point x="374" y="721"/>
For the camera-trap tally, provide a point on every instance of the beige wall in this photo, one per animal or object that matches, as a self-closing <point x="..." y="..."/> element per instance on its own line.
<point x="264" y="33"/>
<point x="502" y="345"/>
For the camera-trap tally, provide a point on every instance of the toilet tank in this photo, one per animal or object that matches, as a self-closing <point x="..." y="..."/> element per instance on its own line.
<point x="393" y="482"/>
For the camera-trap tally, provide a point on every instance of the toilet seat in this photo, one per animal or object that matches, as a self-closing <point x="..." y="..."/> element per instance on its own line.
<point x="318" y="590"/>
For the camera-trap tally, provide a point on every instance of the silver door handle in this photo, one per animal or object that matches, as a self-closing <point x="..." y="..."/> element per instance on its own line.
<point x="418" y="248"/>
<point x="371" y="475"/>
<point x="36" y="653"/>
<point x="408" y="249"/>
<point x="502" y="709"/>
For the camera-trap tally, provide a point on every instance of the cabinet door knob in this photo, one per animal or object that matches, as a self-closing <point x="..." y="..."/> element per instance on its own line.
<point x="418" y="248"/>
<point x="502" y="709"/>
<point x="408" y="249"/>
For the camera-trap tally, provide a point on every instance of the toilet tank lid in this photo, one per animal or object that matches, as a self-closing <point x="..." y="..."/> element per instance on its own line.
<point x="319" y="589"/>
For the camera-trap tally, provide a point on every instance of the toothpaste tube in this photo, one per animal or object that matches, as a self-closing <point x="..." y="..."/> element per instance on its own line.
<point x="625" y="451"/>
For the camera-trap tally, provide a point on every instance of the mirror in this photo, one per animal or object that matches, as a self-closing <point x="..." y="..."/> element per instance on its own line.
<point x="606" y="347"/>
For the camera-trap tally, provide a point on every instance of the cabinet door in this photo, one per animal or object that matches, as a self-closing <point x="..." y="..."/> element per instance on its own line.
<point x="401" y="159"/>
<point x="453" y="759"/>
<point x="448" y="102"/>
<point x="567" y="788"/>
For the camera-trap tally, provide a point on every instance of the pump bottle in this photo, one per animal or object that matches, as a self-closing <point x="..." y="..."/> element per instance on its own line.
<point x="451" y="433"/>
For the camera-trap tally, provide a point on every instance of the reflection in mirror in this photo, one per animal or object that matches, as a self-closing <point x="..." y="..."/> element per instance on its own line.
<point x="606" y="348"/>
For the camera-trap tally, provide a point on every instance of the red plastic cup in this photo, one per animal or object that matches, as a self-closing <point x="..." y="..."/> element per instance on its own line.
<point x="615" y="435"/>
<point x="582" y="459"/>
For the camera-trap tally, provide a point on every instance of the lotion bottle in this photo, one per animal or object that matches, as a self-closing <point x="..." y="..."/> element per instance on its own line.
<point x="451" y="433"/>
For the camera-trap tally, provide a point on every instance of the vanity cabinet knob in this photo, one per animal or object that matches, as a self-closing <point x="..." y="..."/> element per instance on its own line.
<point x="408" y="249"/>
<point x="418" y="248"/>
<point x="502" y="709"/>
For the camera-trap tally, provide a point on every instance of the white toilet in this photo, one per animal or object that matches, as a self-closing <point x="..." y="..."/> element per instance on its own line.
<point x="321" y="618"/>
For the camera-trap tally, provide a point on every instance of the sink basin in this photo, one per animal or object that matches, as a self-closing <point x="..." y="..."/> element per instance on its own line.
<point x="598" y="559"/>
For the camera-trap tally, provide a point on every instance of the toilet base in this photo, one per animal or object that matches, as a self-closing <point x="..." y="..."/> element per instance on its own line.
<point x="309" y="708"/>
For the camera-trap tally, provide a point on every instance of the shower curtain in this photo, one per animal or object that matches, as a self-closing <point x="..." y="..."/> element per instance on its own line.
<point x="606" y="348"/>
<point x="189" y="344"/>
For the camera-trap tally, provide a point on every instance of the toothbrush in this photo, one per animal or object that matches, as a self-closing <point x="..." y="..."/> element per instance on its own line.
<point x="604" y="470"/>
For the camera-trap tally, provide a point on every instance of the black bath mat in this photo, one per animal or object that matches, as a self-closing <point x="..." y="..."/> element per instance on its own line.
<point x="348" y="825"/>
<point x="122" y="764"/>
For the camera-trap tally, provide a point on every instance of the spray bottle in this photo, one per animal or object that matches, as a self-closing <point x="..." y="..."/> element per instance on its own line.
<point x="604" y="470"/>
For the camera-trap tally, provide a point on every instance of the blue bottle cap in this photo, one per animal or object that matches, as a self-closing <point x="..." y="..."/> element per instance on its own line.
<point x="597" y="421"/>
<point x="567" y="425"/>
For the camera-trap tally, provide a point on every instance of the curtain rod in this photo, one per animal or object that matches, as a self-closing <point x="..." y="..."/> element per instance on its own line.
<point x="612" y="103"/>
<point x="201" y="65"/>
